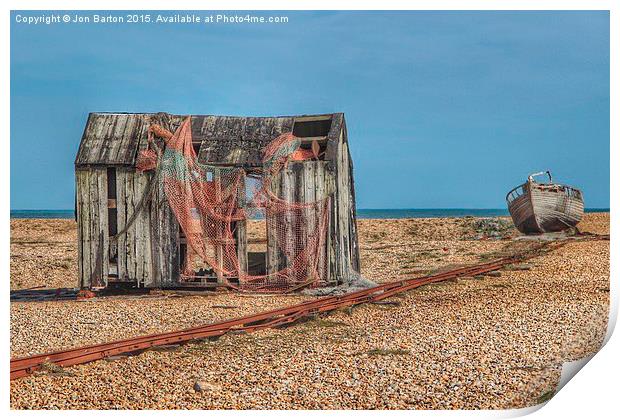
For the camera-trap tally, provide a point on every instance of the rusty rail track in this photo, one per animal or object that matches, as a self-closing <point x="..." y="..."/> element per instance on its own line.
<point x="24" y="366"/>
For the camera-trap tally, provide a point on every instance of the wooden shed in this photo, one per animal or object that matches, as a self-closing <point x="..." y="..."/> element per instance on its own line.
<point x="149" y="252"/>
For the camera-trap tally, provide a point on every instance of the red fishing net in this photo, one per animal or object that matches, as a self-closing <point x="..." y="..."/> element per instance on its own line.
<point x="214" y="205"/>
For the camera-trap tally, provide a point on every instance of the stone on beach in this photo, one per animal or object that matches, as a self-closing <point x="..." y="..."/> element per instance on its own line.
<point x="494" y="342"/>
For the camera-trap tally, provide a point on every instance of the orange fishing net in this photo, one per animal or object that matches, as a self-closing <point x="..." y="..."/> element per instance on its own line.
<point x="214" y="203"/>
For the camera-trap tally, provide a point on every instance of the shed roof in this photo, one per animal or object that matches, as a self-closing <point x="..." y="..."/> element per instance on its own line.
<point x="114" y="139"/>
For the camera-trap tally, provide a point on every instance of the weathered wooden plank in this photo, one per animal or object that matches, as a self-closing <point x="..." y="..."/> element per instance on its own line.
<point x="114" y="138"/>
<point x="148" y="251"/>
<point x="78" y="213"/>
<point x="138" y="229"/>
<point x="93" y="227"/>
<point x="342" y="219"/>
<point x="355" y="256"/>
<point x="130" y="240"/>
<point x="273" y="218"/>
<point x="103" y="232"/>
<point x="332" y="239"/>
<point x="287" y="194"/>
<point x="342" y="252"/>
<point x="303" y="219"/>
<point x="236" y="140"/>
<point x="241" y="231"/>
<point x="157" y="240"/>
<point x="121" y="220"/>
<point x="346" y="209"/>
<point x="353" y="237"/>
<point x="311" y="195"/>
<point x="111" y="139"/>
<point x="320" y="194"/>
<point x="170" y="258"/>
<point x="98" y="135"/>
<point x="333" y="145"/>
<point x="147" y="261"/>
<point x="219" y="227"/>
<point x="84" y="236"/>
<point x="142" y="232"/>
<point x="93" y="196"/>
<point x="164" y="240"/>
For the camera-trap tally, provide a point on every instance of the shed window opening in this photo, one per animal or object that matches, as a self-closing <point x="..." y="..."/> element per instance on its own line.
<point x="313" y="136"/>
<point x="318" y="127"/>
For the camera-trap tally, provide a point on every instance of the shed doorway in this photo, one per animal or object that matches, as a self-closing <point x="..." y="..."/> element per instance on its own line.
<point x="256" y="227"/>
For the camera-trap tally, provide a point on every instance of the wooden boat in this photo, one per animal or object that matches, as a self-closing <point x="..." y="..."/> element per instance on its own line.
<point x="544" y="207"/>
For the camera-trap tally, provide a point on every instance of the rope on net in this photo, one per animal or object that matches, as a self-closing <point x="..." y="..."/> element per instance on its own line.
<point x="210" y="202"/>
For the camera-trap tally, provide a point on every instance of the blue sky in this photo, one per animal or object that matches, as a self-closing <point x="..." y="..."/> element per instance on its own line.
<point x="444" y="109"/>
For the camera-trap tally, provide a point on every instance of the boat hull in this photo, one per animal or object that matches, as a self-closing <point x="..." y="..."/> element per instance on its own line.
<point x="542" y="208"/>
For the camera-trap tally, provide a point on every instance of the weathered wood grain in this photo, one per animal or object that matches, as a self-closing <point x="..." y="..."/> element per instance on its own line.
<point x="241" y="237"/>
<point x="111" y="139"/>
<point x="545" y="207"/>
<point x="136" y="262"/>
<point x="149" y="252"/>
<point x="93" y="256"/>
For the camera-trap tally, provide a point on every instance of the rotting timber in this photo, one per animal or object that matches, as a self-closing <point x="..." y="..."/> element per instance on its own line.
<point x="131" y="234"/>
<point x="24" y="366"/>
<point x="544" y="207"/>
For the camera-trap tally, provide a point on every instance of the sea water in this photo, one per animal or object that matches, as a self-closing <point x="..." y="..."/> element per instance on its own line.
<point x="361" y="213"/>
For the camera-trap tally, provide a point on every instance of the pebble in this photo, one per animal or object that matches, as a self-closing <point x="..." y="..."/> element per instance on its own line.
<point x="202" y="386"/>
<point x="519" y="267"/>
<point x="461" y="345"/>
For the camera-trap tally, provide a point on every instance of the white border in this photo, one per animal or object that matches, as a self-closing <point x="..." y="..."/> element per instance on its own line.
<point x="593" y="394"/>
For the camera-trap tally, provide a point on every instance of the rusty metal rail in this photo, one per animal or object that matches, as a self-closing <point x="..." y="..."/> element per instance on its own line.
<point x="24" y="366"/>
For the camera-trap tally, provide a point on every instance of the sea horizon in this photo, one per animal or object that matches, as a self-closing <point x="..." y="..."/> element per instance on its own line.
<point x="361" y="213"/>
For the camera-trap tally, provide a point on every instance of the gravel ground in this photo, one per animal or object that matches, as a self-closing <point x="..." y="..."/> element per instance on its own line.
<point x="39" y="327"/>
<point x="43" y="253"/>
<point x="492" y="342"/>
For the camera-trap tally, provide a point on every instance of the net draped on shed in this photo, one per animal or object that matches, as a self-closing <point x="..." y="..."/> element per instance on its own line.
<point x="212" y="202"/>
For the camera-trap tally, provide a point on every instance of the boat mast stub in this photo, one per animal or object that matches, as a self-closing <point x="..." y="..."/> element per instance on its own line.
<point x="530" y="177"/>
